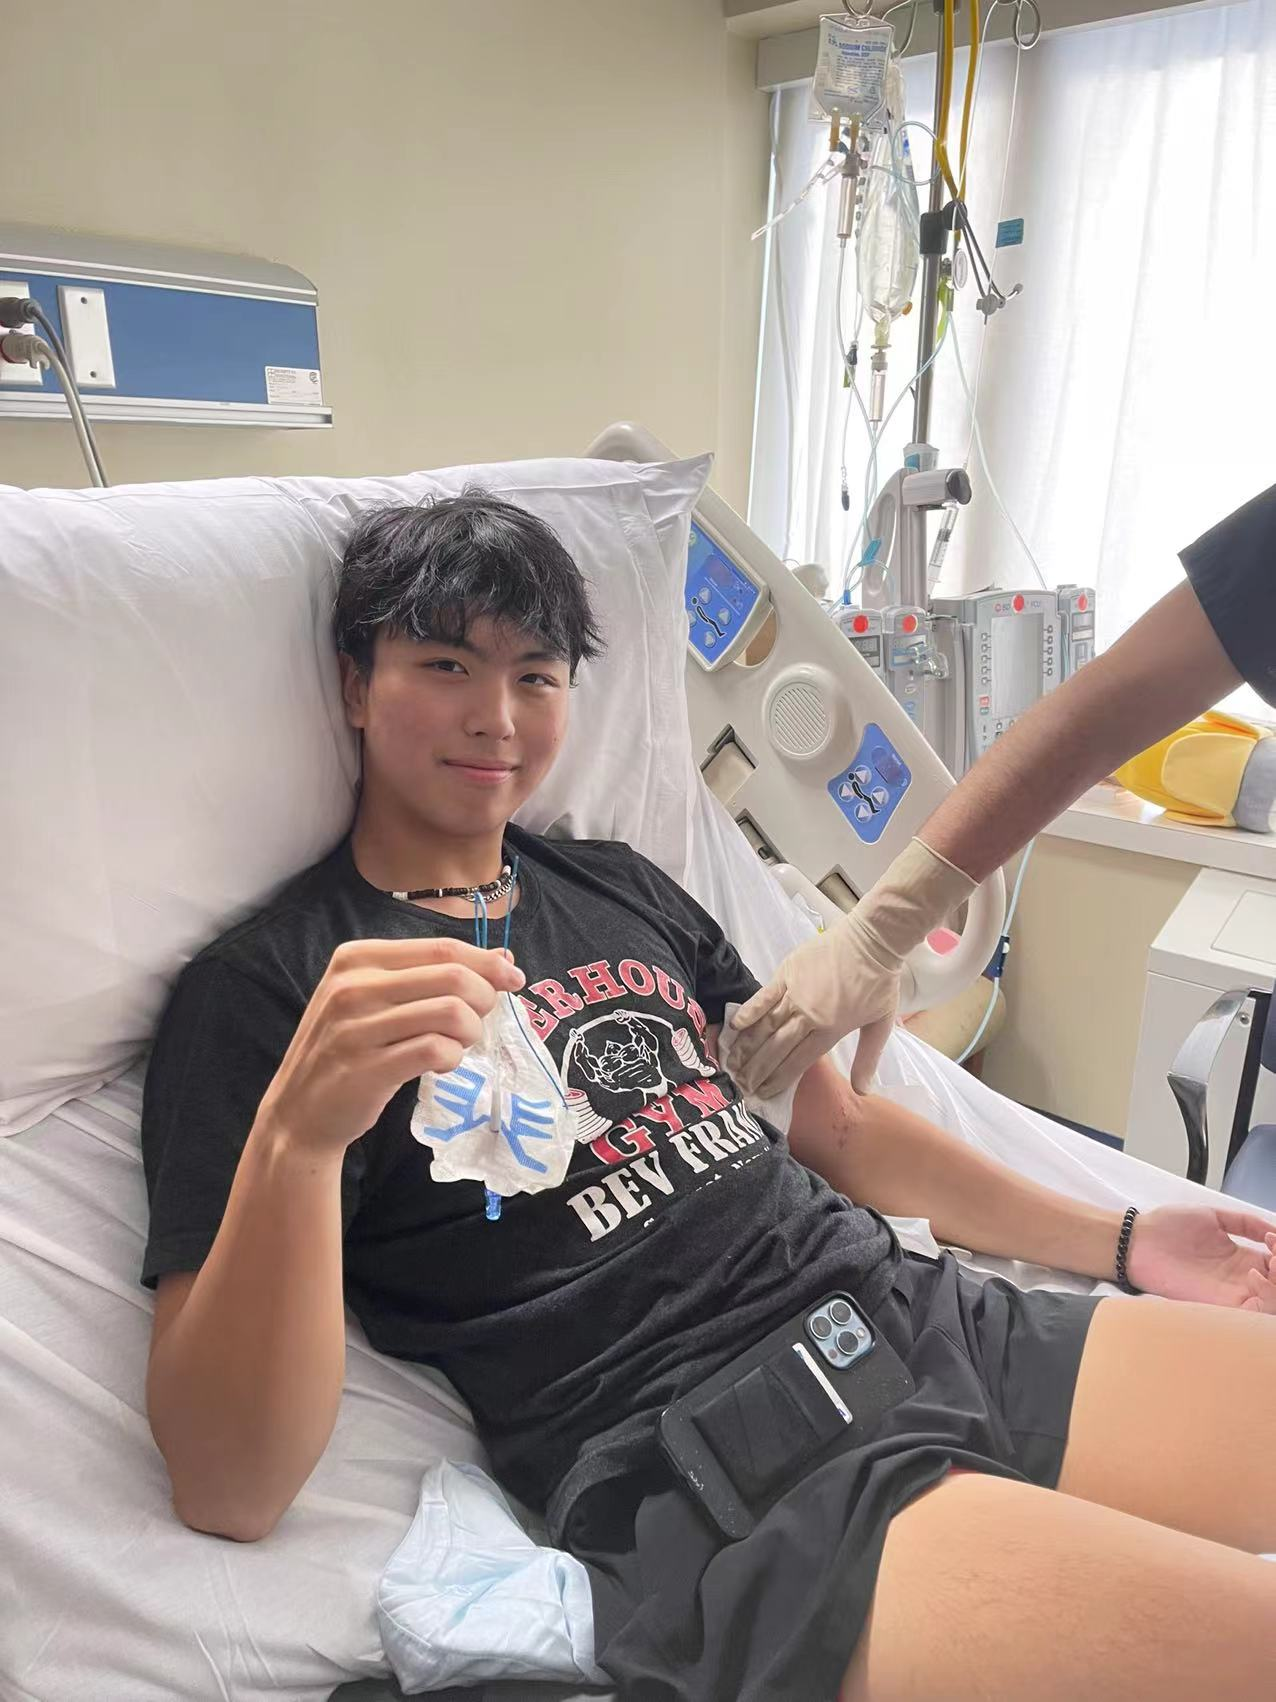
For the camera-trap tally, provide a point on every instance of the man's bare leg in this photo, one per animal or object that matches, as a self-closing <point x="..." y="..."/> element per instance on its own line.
<point x="996" y="1591"/>
<point x="1174" y="1420"/>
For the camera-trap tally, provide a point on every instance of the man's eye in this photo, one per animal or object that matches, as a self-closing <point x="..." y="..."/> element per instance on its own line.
<point x="541" y="680"/>
<point x="444" y="665"/>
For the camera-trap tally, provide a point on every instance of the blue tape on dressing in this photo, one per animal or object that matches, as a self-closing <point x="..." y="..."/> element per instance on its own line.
<point x="1009" y="233"/>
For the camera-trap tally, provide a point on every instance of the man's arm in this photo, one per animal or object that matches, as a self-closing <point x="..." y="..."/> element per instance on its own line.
<point x="248" y="1354"/>
<point x="881" y="1155"/>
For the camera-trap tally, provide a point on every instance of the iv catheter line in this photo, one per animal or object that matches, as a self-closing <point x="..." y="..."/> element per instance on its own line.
<point x="1005" y="934"/>
<point x="522" y="1028"/>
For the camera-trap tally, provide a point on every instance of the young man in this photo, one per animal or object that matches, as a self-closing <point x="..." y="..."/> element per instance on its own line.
<point x="284" y="1180"/>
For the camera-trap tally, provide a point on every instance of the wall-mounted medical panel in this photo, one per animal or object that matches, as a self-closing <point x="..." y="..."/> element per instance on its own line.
<point x="158" y="333"/>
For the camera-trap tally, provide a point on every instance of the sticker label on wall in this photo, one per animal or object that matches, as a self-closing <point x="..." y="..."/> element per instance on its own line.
<point x="1009" y="233"/>
<point x="293" y="387"/>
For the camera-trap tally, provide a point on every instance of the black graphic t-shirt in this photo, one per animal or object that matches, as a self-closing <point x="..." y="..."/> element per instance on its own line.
<point x="681" y="1233"/>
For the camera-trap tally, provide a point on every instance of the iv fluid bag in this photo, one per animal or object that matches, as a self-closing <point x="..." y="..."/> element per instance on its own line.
<point x="851" y="69"/>
<point x="887" y="248"/>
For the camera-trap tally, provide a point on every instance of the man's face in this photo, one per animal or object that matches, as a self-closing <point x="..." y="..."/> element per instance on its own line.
<point x="459" y="735"/>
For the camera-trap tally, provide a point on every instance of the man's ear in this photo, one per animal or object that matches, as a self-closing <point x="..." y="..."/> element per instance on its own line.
<point x="354" y="691"/>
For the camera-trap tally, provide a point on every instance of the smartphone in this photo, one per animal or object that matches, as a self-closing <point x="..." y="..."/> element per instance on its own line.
<point x="820" y="1383"/>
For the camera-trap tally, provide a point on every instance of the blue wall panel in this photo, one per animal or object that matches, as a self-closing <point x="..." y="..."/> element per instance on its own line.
<point x="186" y="345"/>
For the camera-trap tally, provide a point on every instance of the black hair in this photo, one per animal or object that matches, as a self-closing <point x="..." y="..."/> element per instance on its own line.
<point x="426" y="571"/>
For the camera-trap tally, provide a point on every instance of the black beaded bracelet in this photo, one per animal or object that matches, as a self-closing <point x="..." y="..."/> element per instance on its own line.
<point x="1123" y="1251"/>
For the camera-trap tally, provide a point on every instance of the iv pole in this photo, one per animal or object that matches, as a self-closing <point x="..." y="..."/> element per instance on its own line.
<point x="900" y="509"/>
<point x="933" y="244"/>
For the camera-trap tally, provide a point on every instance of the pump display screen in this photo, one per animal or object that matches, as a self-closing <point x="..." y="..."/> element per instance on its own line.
<point x="1016" y="664"/>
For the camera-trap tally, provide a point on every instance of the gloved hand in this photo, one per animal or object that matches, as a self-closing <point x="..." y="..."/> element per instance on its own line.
<point x="845" y="978"/>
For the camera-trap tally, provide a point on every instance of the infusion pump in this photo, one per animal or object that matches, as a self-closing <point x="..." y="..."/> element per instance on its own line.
<point x="965" y="671"/>
<point x="1003" y="650"/>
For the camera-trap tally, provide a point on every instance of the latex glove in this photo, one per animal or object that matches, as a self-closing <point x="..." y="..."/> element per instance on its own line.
<point x="845" y="978"/>
<point x="1187" y="1253"/>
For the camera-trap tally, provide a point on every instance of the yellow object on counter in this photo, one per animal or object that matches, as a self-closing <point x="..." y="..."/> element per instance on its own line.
<point x="1219" y="771"/>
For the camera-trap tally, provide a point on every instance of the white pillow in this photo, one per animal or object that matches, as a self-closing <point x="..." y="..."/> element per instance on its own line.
<point x="172" y="741"/>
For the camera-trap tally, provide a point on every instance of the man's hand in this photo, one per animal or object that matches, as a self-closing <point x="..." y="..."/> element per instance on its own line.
<point x="384" y="1012"/>
<point x="1187" y="1253"/>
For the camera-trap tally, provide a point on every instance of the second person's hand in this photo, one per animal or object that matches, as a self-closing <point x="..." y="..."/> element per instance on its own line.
<point x="846" y="978"/>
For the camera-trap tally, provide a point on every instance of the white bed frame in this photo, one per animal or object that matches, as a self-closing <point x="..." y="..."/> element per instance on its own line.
<point x="782" y="730"/>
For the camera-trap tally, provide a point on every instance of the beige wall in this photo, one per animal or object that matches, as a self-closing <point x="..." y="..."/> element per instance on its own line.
<point x="497" y="276"/>
<point x="1075" y="978"/>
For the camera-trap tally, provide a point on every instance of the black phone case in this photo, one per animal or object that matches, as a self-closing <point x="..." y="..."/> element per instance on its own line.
<point x="868" y="1390"/>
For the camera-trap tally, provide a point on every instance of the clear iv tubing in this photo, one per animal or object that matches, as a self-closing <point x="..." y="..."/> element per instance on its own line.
<point x="491" y="1200"/>
<point x="830" y="168"/>
<point x="871" y="478"/>
<point x="1021" y="47"/>
<point x="912" y="24"/>
<point x="983" y="462"/>
<point x="1005" y="932"/>
<point x="825" y="172"/>
<point x="844" y="356"/>
<point x="887" y="171"/>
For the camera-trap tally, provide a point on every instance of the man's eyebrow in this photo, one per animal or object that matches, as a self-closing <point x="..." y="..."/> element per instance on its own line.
<point x="541" y="653"/>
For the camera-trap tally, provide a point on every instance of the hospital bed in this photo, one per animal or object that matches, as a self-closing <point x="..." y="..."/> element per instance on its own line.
<point x="171" y="748"/>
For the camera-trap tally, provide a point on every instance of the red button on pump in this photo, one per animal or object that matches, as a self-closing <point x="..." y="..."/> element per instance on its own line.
<point x="1017" y="605"/>
<point x="1083" y="602"/>
<point x="909" y="623"/>
<point x="860" y="623"/>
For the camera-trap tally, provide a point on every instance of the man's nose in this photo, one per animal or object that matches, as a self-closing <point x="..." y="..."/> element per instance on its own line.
<point x="490" y="713"/>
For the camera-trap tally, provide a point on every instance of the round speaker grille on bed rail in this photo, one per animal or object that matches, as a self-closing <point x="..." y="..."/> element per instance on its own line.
<point x="798" y="719"/>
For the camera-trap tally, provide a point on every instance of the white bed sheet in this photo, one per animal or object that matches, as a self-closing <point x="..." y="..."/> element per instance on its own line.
<point x="104" y="1596"/>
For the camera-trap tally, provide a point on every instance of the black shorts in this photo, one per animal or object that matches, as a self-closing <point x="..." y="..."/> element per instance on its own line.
<point x="680" y="1613"/>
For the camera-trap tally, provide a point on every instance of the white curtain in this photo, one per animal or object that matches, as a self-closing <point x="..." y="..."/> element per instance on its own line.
<point x="1124" y="396"/>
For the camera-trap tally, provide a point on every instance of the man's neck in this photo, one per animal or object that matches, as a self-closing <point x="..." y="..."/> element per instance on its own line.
<point x="405" y="857"/>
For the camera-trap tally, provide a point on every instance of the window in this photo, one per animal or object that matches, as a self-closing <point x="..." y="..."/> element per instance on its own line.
<point x="1123" y="397"/>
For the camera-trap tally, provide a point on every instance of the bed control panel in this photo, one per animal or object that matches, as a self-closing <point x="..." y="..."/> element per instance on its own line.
<point x="725" y="604"/>
<point x="869" y="789"/>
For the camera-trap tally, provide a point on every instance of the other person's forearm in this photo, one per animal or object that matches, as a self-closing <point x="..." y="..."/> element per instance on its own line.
<point x="1167" y="669"/>
<point x="245" y="1381"/>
